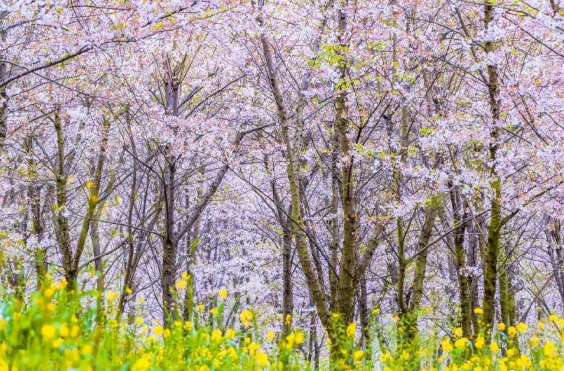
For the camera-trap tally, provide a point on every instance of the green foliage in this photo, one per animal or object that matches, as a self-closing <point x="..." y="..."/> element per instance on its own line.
<point x="56" y="329"/>
<point x="59" y="330"/>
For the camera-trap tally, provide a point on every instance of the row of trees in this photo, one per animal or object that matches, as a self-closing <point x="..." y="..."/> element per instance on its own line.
<point x="330" y="154"/>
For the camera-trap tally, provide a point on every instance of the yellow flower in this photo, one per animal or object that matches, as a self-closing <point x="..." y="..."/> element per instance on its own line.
<point x="549" y="349"/>
<point x="270" y="335"/>
<point x="246" y="317"/>
<point x="535" y="341"/>
<point x="57" y="343"/>
<point x="501" y="326"/>
<point x="494" y="348"/>
<point x="261" y="358"/>
<point x="461" y="343"/>
<point x="447" y="345"/>
<point x="299" y="338"/>
<point x="540" y="326"/>
<point x="188" y="325"/>
<point x="553" y="318"/>
<point x="185" y="276"/>
<point x="74" y="331"/>
<point x="253" y="347"/>
<point x="181" y="284"/>
<point x="385" y="357"/>
<point x="48" y="332"/>
<point x="138" y="321"/>
<point x="201" y="307"/>
<point x="351" y="330"/>
<point x="61" y="284"/>
<point x="521" y="327"/>
<point x="230" y="334"/>
<point x="86" y="350"/>
<point x="143" y="363"/>
<point x="288" y="319"/>
<point x="128" y="291"/>
<point x="478" y="311"/>
<point x="214" y="311"/>
<point x="49" y="292"/>
<point x="158" y="330"/>
<point x="290" y="340"/>
<point x="358" y="354"/>
<point x="511" y="331"/>
<point x="376" y="311"/>
<point x="458" y="332"/>
<point x="480" y="341"/>
<point x="222" y="294"/>
<point x="523" y="362"/>
<point x="216" y="335"/>
<point x="111" y="296"/>
<point x="64" y="330"/>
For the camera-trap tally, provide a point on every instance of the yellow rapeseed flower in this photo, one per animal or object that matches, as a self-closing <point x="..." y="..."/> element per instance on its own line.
<point x="57" y="343"/>
<point x="252" y="348"/>
<point x="351" y="330"/>
<point x="216" y="335"/>
<point x="501" y="326"/>
<point x="550" y="349"/>
<point x="512" y="331"/>
<point x="461" y="343"/>
<point x="290" y="341"/>
<point x="358" y="354"/>
<point x="270" y="335"/>
<point x="64" y="330"/>
<point x="48" y="332"/>
<point x="521" y="327"/>
<point x="222" y="294"/>
<point x="299" y="337"/>
<point x="143" y="363"/>
<point x="180" y="284"/>
<point x="230" y="334"/>
<point x="288" y="319"/>
<point x="446" y="345"/>
<point x="86" y="350"/>
<point x="478" y="311"/>
<point x="480" y="341"/>
<point x="261" y="358"/>
<point x="158" y="330"/>
<point x="246" y="317"/>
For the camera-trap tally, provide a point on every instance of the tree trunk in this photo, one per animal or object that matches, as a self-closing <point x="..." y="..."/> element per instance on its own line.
<point x="495" y="225"/>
